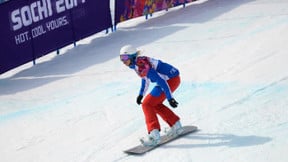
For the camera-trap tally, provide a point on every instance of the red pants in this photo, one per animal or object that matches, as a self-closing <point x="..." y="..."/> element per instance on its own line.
<point x="153" y="105"/>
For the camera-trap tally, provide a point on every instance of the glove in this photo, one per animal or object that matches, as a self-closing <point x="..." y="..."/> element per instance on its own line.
<point x="173" y="102"/>
<point x="139" y="99"/>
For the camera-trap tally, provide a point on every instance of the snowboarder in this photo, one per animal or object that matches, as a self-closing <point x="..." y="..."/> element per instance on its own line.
<point x="167" y="80"/>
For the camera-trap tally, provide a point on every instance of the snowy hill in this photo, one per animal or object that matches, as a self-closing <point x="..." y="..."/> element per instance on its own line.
<point x="80" y="106"/>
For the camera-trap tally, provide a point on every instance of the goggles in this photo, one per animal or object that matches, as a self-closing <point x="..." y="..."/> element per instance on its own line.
<point x="124" y="57"/>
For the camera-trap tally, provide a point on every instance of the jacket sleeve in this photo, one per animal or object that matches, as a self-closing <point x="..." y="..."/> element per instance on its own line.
<point x="144" y="86"/>
<point x="153" y="75"/>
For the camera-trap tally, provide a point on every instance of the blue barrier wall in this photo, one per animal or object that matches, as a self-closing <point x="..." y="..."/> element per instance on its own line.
<point x="30" y="29"/>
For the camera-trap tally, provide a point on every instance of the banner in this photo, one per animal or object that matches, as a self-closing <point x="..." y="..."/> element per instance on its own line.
<point x="51" y="25"/>
<point x="91" y="17"/>
<point x="16" y="47"/>
<point x="128" y="9"/>
<point x="32" y="28"/>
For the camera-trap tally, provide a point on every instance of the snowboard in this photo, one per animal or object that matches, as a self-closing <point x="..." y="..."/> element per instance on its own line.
<point x="140" y="149"/>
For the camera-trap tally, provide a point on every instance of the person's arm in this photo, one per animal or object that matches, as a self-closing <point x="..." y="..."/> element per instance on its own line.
<point x="153" y="75"/>
<point x="144" y="86"/>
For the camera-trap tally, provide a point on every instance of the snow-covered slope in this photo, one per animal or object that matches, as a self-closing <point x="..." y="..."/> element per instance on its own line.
<point x="80" y="106"/>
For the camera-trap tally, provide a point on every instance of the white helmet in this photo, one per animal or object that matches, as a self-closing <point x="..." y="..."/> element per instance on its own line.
<point x="128" y="49"/>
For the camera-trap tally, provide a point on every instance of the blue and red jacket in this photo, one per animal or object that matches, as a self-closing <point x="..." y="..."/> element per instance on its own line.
<point x="155" y="71"/>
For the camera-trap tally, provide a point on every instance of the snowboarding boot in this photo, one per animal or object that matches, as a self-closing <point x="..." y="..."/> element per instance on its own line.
<point x="175" y="130"/>
<point x="152" y="139"/>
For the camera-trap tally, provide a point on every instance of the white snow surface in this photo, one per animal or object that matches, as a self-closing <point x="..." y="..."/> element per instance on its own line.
<point x="80" y="106"/>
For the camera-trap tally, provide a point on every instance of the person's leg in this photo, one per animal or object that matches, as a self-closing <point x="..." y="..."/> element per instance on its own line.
<point x="150" y="114"/>
<point x="152" y="105"/>
<point x="167" y="114"/>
